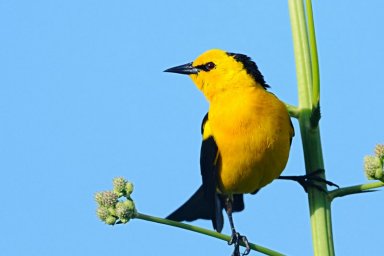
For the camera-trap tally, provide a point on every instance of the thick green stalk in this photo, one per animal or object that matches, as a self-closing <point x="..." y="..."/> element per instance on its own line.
<point x="319" y="204"/>
<point x="301" y="50"/>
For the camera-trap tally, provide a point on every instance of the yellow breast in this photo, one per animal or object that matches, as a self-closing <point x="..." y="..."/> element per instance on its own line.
<point x="252" y="130"/>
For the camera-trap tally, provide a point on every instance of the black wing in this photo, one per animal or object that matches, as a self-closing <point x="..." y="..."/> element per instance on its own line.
<point x="209" y="167"/>
<point x="206" y="203"/>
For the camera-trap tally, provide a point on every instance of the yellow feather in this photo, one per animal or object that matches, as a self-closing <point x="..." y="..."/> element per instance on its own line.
<point x="252" y="130"/>
<point x="251" y="126"/>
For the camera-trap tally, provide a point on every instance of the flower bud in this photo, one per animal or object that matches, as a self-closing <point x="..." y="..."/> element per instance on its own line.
<point x="106" y="198"/>
<point x="119" y="186"/>
<point x="102" y="212"/>
<point x="125" y="210"/>
<point x="128" y="189"/>
<point x="373" y="168"/>
<point x="129" y="204"/>
<point x="112" y="210"/>
<point x="98" y="197"/>
<point x="379" y="151"/>
<point x="123" y="221"/>
<point x="110" y="220"/>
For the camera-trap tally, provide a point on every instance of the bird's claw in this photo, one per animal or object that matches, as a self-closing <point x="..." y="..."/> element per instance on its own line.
<point x="236" y="239"/>
<point x="312" y="177"/>
<point x="309" y="180"/>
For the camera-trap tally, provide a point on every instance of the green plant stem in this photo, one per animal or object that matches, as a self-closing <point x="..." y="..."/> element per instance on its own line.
<point x="300" y="43"/>
<point x="319" y="204"/>
<point x="293" y="111"/>
<point x="203" y="231"/>
<point x="314" y="57"/>
<point x="354" y="189"/>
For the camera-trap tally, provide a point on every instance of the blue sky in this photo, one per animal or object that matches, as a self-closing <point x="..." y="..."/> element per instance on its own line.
<point x="83" y="99"/>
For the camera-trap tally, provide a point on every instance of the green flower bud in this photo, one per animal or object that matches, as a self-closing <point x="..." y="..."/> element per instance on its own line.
<point x="110" y="220"/>
<point x="106" y="198"/>
<point x="123" y="221"/>
<point x="119" y="186"/>
<point x="98" y="197"/>
<point x="379" y="151"/>
<point x="129" y="204"/>
<point x="102" y="212"/>
<point x="128" y="189"/>
<point x="122" y="211"/>
<point x="373" y="168"/>
<point x="112" y="210"/>
<point x="125" y="210"/>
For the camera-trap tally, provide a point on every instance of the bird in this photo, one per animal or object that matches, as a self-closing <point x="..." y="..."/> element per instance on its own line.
<point x="246" y="138"/>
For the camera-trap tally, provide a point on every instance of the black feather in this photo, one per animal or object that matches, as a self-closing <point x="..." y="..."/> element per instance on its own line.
<point x="196" y="207"/>
<point x="206" y="202"/>
<point x="251" y="68"/>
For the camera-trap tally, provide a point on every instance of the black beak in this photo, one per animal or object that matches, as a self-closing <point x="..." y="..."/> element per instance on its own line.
<point x="186" y="69"/>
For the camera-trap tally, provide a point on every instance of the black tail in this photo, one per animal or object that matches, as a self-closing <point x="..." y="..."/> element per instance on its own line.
<point x="197" y="207"/>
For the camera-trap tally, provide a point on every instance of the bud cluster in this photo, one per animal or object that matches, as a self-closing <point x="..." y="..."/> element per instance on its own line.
<point x="374" y="165"/>
<point x="116" y="206"/>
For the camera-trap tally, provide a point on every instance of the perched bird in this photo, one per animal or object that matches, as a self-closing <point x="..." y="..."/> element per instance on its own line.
<point x="246" y="134"/>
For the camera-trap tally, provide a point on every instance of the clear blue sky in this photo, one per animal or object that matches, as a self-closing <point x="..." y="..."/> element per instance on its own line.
<point x="83" y="99"/>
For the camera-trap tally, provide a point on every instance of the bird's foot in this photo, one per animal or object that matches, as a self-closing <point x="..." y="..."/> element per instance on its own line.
<point x="309" y="180"/>
<point x="236" y="240"/>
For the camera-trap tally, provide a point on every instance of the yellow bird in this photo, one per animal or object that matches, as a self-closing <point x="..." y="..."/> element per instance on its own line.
<point x="247" y="135"/>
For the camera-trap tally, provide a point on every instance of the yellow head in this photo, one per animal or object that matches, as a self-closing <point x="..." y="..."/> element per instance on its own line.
<point x="216" y="71"/>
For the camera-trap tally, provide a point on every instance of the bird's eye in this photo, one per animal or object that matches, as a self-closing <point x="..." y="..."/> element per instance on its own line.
<point x="209" y="66"/>
<point x="206" y="67"/>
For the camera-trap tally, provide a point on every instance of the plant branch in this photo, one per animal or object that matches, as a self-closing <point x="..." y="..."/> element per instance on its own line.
<point x="204" y="231"/>
<point x="293" y="110"/>
<point x="354" y="189"/>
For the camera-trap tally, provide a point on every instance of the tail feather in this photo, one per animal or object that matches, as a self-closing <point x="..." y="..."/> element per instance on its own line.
<point x="197" y="207"/>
